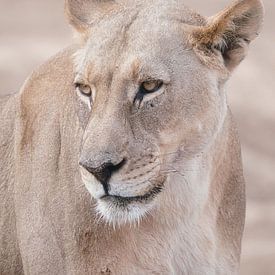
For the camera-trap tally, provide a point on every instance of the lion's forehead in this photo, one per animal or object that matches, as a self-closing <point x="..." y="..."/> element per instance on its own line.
<point x="118" y="37"/>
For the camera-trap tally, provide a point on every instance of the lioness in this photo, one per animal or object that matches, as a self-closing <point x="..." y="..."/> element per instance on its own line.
<point x="136" y="111"/>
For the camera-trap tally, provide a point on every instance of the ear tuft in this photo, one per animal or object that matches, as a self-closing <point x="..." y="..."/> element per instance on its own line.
<point x="229" y="33"/>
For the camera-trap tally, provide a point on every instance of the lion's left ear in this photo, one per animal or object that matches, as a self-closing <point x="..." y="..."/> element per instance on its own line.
<point x="228" y="34"/>
<point x="82" y="13"/>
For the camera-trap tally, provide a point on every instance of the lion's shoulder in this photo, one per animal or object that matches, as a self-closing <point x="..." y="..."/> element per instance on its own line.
<point x="53" y="73"/>
<point x="8" y="109"/>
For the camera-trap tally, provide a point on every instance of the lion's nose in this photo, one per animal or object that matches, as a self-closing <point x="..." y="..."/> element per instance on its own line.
<point x="102" y="172"/>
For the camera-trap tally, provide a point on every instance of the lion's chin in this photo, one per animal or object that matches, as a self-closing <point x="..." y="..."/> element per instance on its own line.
<point x="117" y="213"/>
<point x="117" y="210"/>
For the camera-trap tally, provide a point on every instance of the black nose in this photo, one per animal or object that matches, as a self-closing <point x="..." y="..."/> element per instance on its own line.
<point x="103" y="172"/>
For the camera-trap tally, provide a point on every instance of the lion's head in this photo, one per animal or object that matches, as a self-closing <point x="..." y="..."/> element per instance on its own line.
<point x="149" y="80"/>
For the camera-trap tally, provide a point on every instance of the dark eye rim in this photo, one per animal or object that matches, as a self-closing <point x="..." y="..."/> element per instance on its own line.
<point x="158" y="86"/>
<point x="142" y="92"/>
<point x="78" y="86"/>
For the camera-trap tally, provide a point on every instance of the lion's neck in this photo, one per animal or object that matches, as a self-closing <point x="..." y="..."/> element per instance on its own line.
<point x="190" y="208"/>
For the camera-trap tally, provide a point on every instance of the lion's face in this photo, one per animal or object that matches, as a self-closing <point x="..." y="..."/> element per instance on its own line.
<point x="149" y="83"/>
<point x="146" y="103"/>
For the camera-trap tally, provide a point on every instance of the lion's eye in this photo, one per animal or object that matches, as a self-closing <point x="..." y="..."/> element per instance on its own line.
<point x="151" y="86"/>
<point x="84" y="89"/>
<point x="147" y="91"/>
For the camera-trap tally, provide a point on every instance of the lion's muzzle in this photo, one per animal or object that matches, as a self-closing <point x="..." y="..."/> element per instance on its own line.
<point x="104" y="170"/>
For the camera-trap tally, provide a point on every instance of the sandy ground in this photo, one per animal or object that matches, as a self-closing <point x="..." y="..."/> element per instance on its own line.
<point x="33" y="30"/>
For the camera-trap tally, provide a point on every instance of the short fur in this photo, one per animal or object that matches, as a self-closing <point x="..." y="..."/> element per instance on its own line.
<point x="182" y="139"/>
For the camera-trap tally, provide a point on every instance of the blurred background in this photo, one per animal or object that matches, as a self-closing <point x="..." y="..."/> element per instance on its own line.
<point x="33" y="30"/>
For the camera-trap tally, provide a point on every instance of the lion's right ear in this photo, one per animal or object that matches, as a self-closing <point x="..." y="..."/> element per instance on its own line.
<point x="229" y="33"/>
<point x="82" y="13"/>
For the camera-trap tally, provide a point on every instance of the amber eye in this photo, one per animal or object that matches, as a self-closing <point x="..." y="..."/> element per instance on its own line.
<point x="151" y="86"/>
<point x="84" y="89"/>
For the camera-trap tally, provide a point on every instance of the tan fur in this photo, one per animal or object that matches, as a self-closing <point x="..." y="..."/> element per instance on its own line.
<point x="181" y="138"/>
<point x="230" y="30"/>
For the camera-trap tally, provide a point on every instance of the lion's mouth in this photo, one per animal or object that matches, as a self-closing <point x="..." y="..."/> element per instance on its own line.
<point x="121" y="208"/>
<point x="141" y="198"/>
